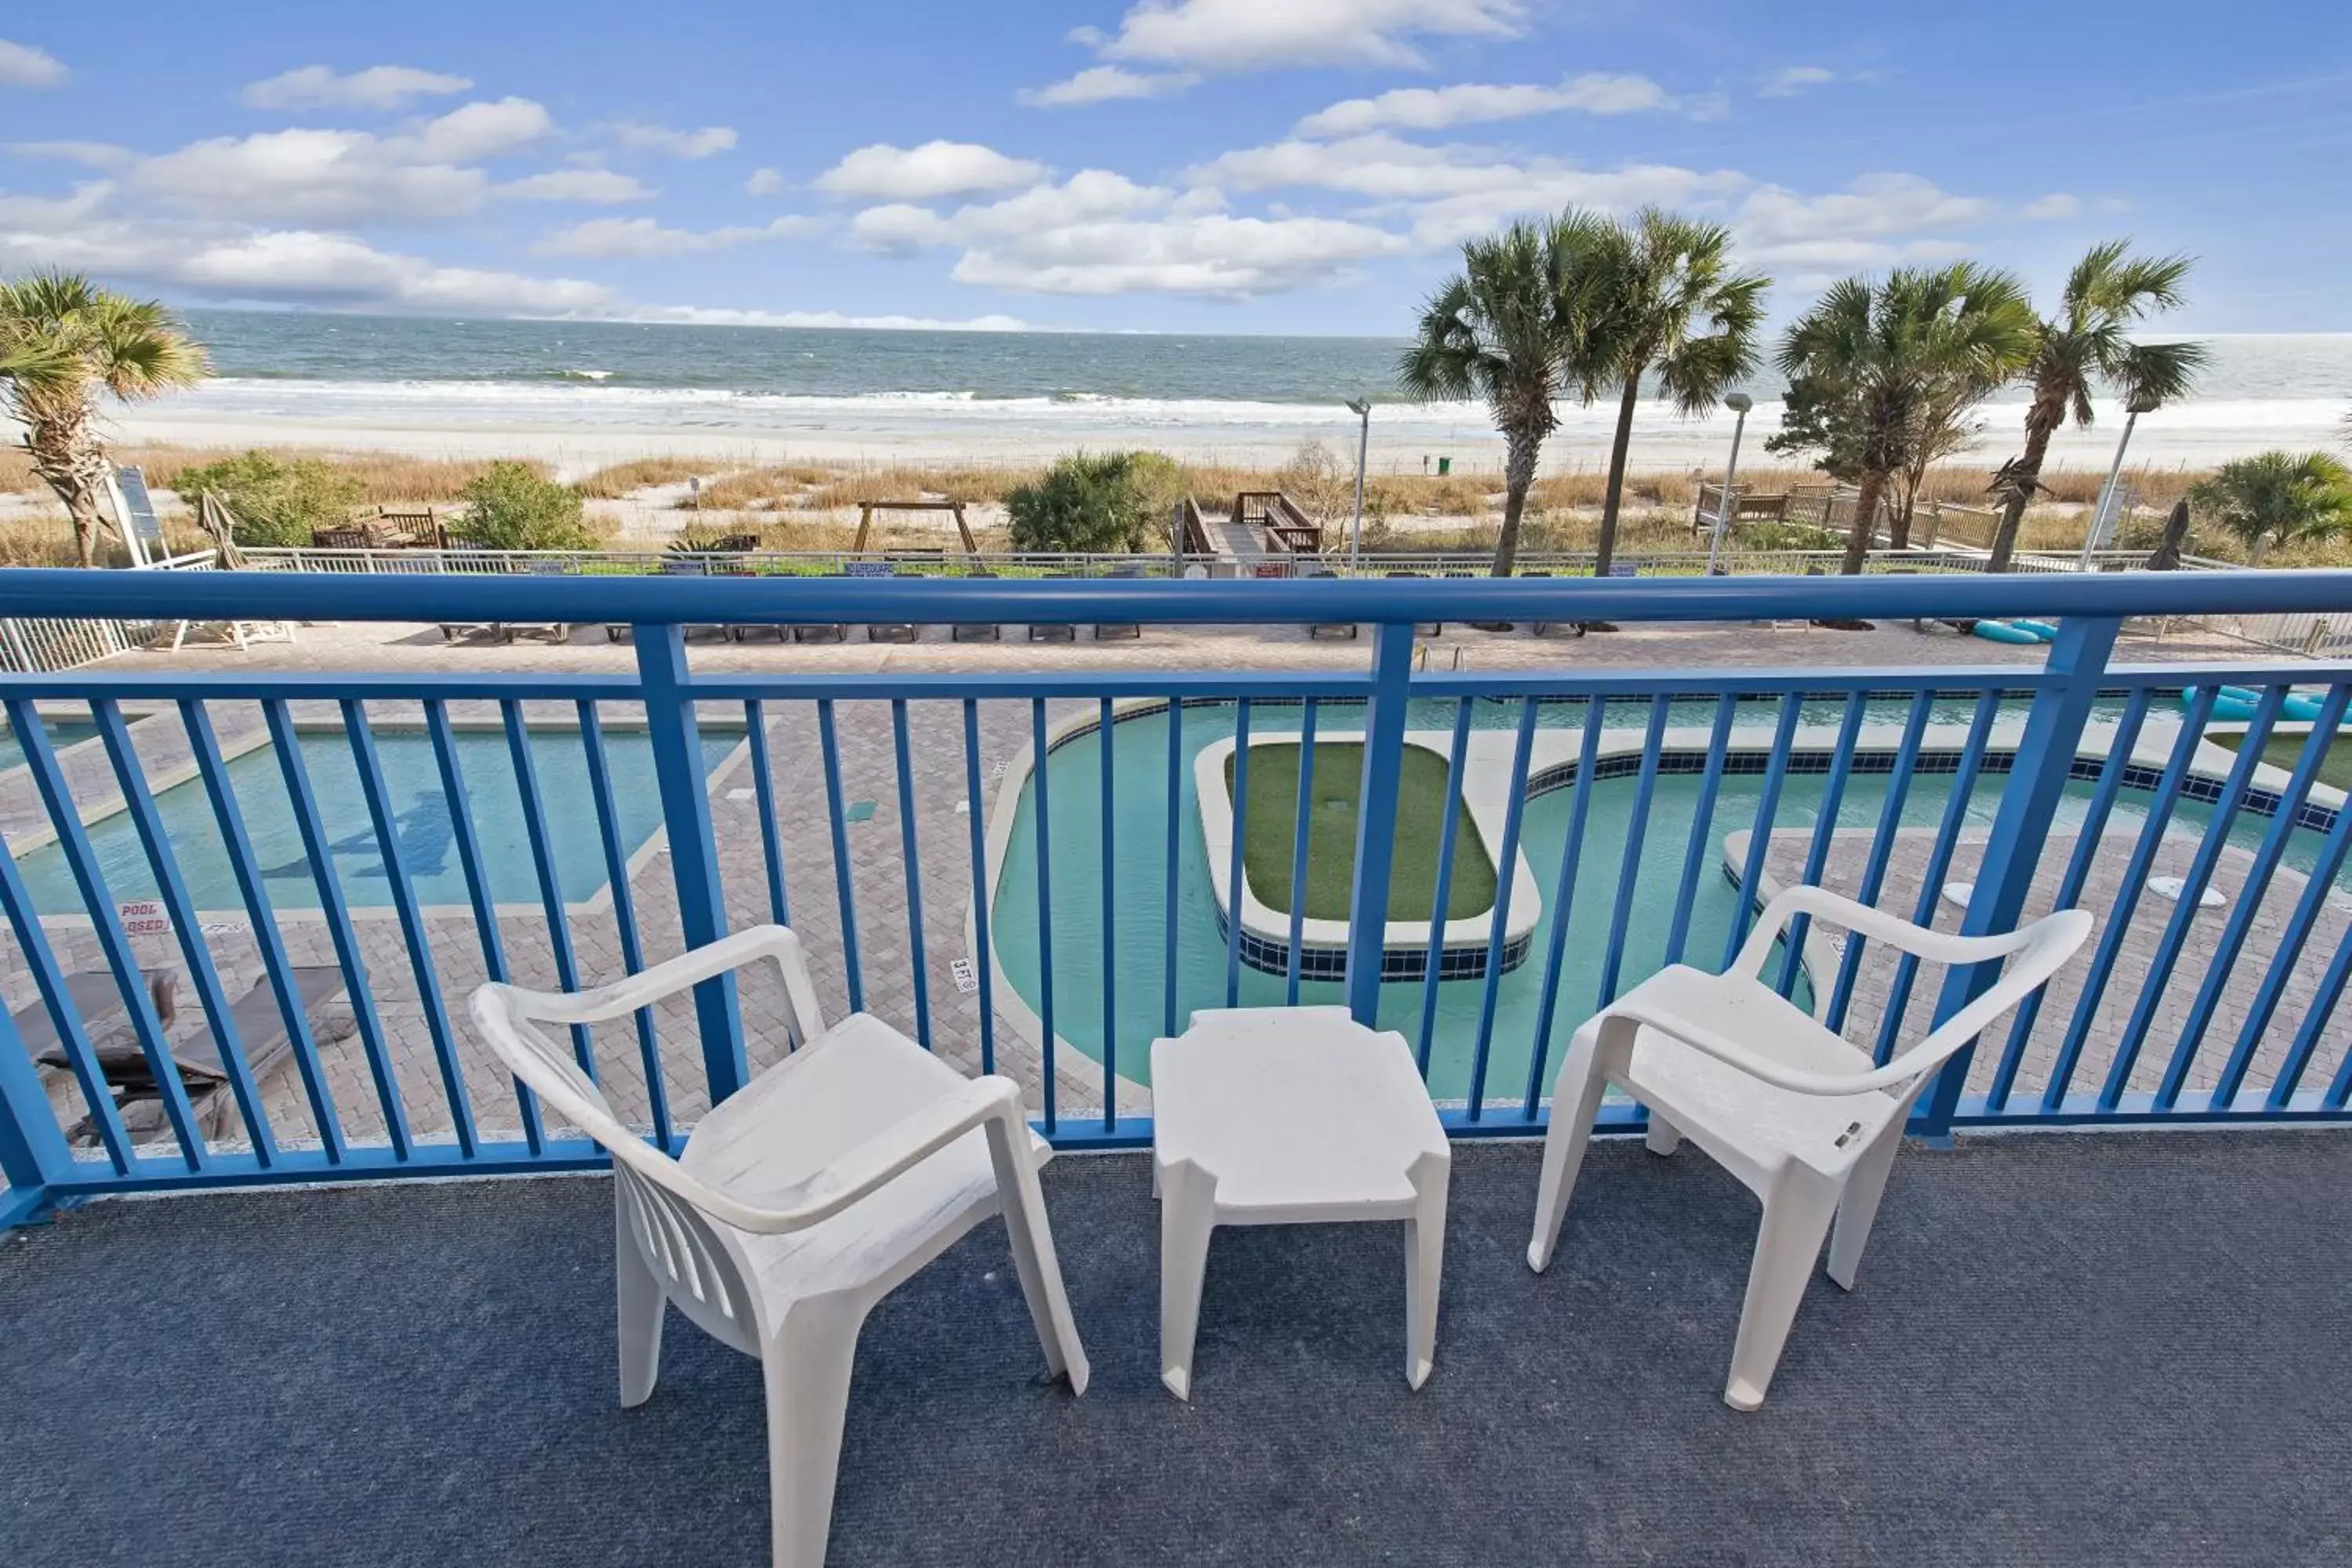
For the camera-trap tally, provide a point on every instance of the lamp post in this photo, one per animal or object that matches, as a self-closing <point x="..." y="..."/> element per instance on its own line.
<point x="2097" y="536"/>
<point x="1362" y="407"/>
<point x="1739" y="403"/>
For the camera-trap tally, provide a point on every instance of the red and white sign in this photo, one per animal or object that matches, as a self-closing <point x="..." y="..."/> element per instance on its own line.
<point x="144" y="917"/>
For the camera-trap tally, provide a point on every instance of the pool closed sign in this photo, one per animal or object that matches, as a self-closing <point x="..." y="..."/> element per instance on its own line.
<point x="144" y="917"/>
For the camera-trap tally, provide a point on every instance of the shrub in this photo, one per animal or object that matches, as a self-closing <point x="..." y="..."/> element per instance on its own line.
<point x="513" y="505"/>
<point x="1094" y="505"/>
<point x="276" y="501"/>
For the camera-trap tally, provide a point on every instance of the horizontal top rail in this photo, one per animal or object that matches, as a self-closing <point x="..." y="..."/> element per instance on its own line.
<point x="66" y="593"/>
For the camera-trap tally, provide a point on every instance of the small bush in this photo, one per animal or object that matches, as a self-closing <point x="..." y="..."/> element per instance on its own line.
<point x="513" y="505"/>
<point x="1094" y="505"/>
<point x="276" y="501"/>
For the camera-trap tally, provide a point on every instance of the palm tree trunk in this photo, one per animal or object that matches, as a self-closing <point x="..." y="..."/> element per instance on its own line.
<point x="1606" y="550"/>
<point x="1865" y="513"/>
<point x="72" y="465"/>
<point x="2040" y="421"/>
<point x="1520" y="452"/>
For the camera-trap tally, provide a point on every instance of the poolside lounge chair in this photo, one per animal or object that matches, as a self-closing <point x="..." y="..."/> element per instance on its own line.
<point x="1107" y="630"/>
<point x="505" y="631"/>
<point x="1423" y="629"/>
<point x="975" y="631"/>
<point x="1054" y="631"/>
<point x="1549" y="628"/>
<point x="1322" y="630"/>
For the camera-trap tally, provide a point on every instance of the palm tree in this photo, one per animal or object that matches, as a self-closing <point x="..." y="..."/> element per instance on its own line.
<point x="1877" y="372"/>
<point x="63" y="340"/>
<point x="1516" y="327"/>
<point x="1676" y="311"/>
<point x="2278" y="498"/>
<point x="2109" y="290"/>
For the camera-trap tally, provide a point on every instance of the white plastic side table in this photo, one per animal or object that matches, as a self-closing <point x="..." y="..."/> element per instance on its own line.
<point x="1291" y="1116"/>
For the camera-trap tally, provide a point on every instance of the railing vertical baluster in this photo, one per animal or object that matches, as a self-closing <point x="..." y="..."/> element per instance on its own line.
<point x="693" y="849"/>
<point x="1237" y="868"/>
<point x="844" y="889"/>
<point x="1171" y="933"/>
<point x="1506" y="859"/>
<point x="985" y="955"/>
<point x="1696" y="855"/>
<point x="1045" y="902"/>
<point x="2037" y="776"/>
<point x="1824" y="835"/>
<point x="1109" y="834"/>
<point x="2317" y="892"/>
<point x="138" y="802"/>
<point x="919" y="962"/>
<point x="542" y="860"/>
<point x="1302" y="822"/>
<point x="2157" y="976"/>
<point x="2256" y="882"/>
<point x="206" y="747"/>
<point x="1449" y="825"/>
<point x="1636" y="828"/>
<point x="624" y="909"/>
<point x="1377" y="793"/>
<point x="763" y="788"/>
<point x="2087" y="840"/>
<point x="2116" y="920"/>
<point x="81" y="858"/>
<point x="1759" y="838"/>
<point x="287" y="742"/>
<point x="1938" y="865"/>
<point x="49" y="979"/>
<point x="1563" y="902"/>
<point x="2323" y="1008"/>
<point x="34" y="1155"/>
<point x="389" y="849"/>
<point x="1882" y="851"/>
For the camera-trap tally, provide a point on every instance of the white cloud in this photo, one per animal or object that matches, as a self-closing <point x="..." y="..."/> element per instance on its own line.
<point x="1101" y="84"/>
<point x="611" y="237"/>
<point x="702" y="143"/>
<point x="333" y="269"/>
<point x="327" y="177"/>
<point x="1434" y="109"/>
<point x="596" y="187"/>
<point x="1257" y="34"/>
<point x="765" y="182"/>
<point x="1854" y="228"/>
<point x="1791" y="80"/>
<point x="89" y="154"/>
<point x="922" y="173"/>
<point x="2056" y="205"/>
<point x="377" y="87"/>
<point x="22" y="65"/>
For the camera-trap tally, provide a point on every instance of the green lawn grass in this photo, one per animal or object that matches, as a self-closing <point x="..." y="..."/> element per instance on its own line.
<point x="1269" y="834"/>
<point x="2285" y="751"/>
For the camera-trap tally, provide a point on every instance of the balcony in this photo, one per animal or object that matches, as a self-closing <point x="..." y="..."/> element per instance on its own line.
<point x="2092" y="1348"/>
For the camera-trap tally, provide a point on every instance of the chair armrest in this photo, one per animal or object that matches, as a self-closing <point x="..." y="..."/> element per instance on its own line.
<point x="1797" y="1081"/>
<point x="886" y="1156"/>
<point x="687" y="970"/>
<point x="1936" y="946"/>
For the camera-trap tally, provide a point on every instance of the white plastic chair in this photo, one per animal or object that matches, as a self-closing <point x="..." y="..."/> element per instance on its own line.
<point x="1797" y="1113"/>
<point x="800" y="1202"/>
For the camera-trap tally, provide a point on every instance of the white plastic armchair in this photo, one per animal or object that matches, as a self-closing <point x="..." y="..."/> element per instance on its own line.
<point x="1808" y="1121"/>
<point x="798" y="1204"/>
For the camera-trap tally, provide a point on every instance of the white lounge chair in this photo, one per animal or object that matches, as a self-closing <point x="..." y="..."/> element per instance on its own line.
<point x="1801" y="1116"/>
<point x="800" y="1202"/>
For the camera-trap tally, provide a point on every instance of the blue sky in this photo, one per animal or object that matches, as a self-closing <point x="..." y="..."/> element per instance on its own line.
<point x="1197" y="165"/>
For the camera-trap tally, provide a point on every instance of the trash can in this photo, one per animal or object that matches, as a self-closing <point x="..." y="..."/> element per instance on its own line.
<point x="1444" y="467"/>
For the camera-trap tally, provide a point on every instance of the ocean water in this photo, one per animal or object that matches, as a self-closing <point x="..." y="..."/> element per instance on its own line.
<point x="1009" y="392"/>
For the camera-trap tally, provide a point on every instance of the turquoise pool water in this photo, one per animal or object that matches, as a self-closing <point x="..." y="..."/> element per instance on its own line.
<point x="1136" y="921"/>
<point x="422" y="812"/>
<point x="62" y="732"/>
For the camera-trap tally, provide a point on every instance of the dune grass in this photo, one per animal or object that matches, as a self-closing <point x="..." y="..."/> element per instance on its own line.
<point x="617" y="480"/>
<point x="1269" y="834"/>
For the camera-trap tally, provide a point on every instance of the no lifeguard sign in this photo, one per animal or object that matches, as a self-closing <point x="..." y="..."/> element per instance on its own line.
<point x="144" y="917"/>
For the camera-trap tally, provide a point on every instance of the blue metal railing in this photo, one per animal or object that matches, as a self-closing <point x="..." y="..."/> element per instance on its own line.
<point x="1619" y="863"/>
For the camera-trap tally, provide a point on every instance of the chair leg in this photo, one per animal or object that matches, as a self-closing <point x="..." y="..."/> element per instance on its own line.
<point x="806" y="1368"/>
<point x="1022" y="1204"/>
<point x="642" y="1305"/>
<point x="1188" y="1216"/>
<point x="1663" y="1137"/>
<point x="1864" y="1185"/>
<point x="1424" y="1264"/>
<point x="1564" y="1143"/>
<point x="1797" y="1212"/>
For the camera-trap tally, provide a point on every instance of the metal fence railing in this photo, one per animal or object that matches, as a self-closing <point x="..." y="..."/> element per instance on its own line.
<point x="1008" y="863"/>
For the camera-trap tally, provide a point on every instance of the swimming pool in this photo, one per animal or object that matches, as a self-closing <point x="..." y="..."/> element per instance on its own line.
<point x="421" y="810"/>
<point x="62" y="732"/>
<point x="1137" y="932"/>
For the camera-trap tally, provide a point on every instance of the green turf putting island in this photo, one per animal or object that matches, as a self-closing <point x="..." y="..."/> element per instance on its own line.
<point x="1260" y="917"/>
<point x="1270" y="834"/>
